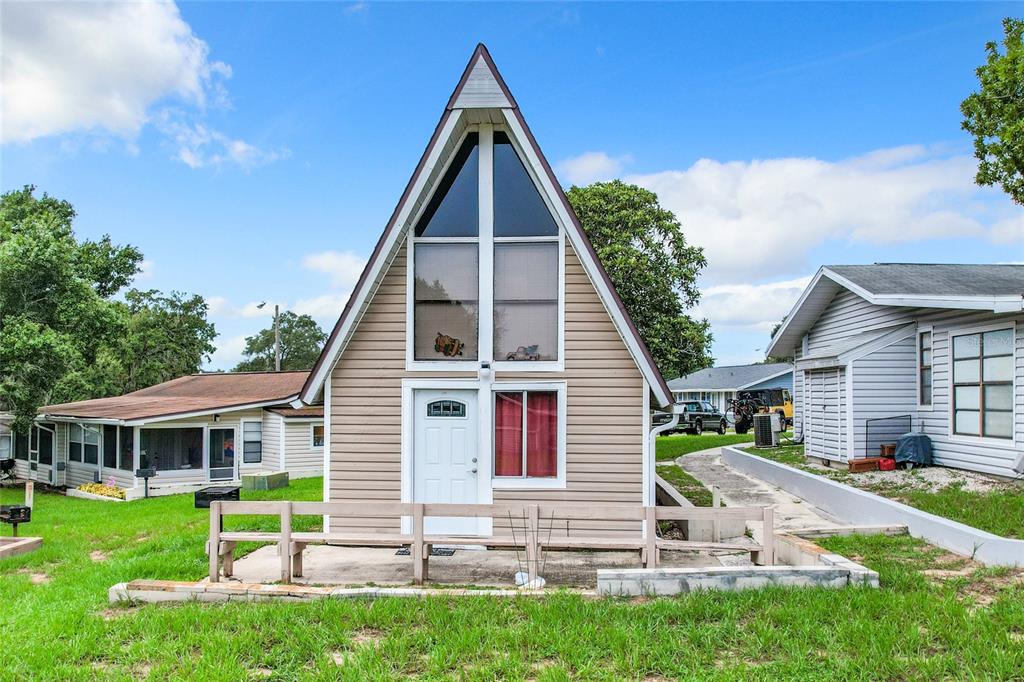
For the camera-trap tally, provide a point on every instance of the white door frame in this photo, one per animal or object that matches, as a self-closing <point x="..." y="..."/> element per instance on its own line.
<point x="485" y="493"/>
<point x="234" y="428"/>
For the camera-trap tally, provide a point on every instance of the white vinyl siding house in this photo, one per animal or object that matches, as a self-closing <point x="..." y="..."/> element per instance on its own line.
<point x="891" y="357"/>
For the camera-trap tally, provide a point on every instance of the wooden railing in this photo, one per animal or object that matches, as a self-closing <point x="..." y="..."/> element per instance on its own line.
<point x="531" y="534"/>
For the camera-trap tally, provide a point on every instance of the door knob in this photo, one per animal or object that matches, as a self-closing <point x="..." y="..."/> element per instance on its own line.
<point x="473" y="470"/>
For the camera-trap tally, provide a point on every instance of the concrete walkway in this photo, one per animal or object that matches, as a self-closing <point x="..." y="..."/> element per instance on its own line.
<point x="792" y="514"/>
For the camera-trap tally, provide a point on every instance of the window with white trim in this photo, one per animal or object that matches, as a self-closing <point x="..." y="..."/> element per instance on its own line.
<point x="513" y="259"/>
<point x="983" y="384"/>
<point x="6" y="446"/>
<point x="75" y="442"/>
<point x="526" y="434"/>
<point x="924" y="368"/>
<point x="252" y="442"/>
<point x="316" y="435"/>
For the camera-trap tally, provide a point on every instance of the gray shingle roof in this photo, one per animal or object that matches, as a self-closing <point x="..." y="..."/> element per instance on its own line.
<point x="935" y="279"/>
<point x="727" y="378"/>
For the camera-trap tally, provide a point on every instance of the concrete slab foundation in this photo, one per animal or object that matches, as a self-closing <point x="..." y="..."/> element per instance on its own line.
<point x="672" y="581"/>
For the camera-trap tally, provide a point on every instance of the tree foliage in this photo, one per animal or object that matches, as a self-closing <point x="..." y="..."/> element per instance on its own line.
<point x="995" y="114"/>
<point x="301" y="342"/>
<point x="654" y="270"/>
<point x="62" y="336"/>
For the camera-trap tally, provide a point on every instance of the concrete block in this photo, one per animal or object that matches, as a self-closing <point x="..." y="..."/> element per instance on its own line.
<point x="673" y="581"/>
<point x="265" y="480"/>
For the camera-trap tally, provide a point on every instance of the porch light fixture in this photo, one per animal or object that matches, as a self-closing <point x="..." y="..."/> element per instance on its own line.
<point x="216" y="417"/>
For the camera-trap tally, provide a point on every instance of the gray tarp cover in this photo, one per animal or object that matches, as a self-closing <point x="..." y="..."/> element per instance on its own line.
<point x="915" y="448"/>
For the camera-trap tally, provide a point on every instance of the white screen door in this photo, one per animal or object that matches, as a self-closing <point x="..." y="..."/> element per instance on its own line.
<point x="445" y="456"/>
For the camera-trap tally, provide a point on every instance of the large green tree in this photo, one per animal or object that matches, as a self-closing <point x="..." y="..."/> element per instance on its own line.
<point x="654" y="270"/>
<point x="62" y="334"/>
<point x="301" y="341"/>
<point x="994" y="114"/>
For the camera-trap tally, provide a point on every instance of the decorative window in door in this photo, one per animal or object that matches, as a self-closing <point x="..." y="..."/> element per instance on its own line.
<point x="446" y="408"/>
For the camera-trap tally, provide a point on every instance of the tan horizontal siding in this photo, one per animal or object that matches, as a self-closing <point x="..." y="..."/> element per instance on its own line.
<point x="604" y="423"/>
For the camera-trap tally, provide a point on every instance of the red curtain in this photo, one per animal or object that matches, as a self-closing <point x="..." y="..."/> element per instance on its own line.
<point x="508" y="434"/>
<point x="542" y="434"/>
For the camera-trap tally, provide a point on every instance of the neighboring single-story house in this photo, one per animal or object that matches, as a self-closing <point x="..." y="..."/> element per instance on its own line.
<point x="719" y="385"/>
<point x="937" y="347"/>
<point x="484" y="355"/>
<point x="193" y="430"/>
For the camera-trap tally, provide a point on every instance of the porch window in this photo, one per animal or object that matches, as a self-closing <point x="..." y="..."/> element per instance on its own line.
<point x="90" y="444"/>
<point x="21" y="446"/>
<point x="44" y="443"/>
<point x="924" y="363"/>
<point x="127" y="461"/>
<point x="526" y="434"/>
<point x="5" y="446"/>
<point x="252" y="442"/>
<point x="75" y="442"/>
<point x="171" y="449"/>
<point x="983" y="384"/>
<point x="446" y="301"/>
<point x="317" y="435"/>
<point x="109" y="446"/>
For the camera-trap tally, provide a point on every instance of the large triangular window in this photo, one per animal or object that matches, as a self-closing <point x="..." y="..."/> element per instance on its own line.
<point x="519" y="210"/>
<point x="454" y="209"/>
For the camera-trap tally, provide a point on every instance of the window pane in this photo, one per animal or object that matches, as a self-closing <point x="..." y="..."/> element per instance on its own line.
<point x="999" y="342"/>
<point x="999" y="424"/>
<point x="926" y="387"/>
<point x="45" y="446"/>
<point x="33" y="439"/>
<point x="508" y="434"/>
<point x="966" y="371"/>
<point x="926" y="357"/>
<point x="541" y="434"/>
<point x="171" y="449"/>
<point x="526" y="301"/>
<point x="519" y="210"/>
<point x="966" y="346"/>
<point x="75" y="432"/>
<point x="252" y="452"/>
<point x="252" y="430"/>
<point x="75" y="451"/>
<point x="91" y="434"/>
<point x="127" y="448"/>
<point x="454" y="209"/>
<point x="318" y="436"/>
<point x="998" y="369"/>
<point x="91" y="453"/>
<point x="6" y="451"/>
<point x="926" y="339"/>
<point x="966" y="421"/>
<point x="446" y="292"/>
<point x="21" y="446"/>
<point x="967" y="397"/>
<point x="999" y="397"/>
<point x="110" y="446"/>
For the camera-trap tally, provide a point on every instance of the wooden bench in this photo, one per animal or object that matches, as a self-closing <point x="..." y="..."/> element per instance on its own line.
<point x="530" y="537"/>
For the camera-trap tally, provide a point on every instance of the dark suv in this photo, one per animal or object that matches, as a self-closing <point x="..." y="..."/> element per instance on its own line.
<point x="697" y="416"/>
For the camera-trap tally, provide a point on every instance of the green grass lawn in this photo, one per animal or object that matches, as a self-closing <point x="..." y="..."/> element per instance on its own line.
<point x="997" y="511"/>
<point x="688" y="486"/>
<point x="676" y="445"/>
<point x="55" y="622"/>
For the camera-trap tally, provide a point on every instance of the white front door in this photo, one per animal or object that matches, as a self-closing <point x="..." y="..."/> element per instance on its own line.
<point x="445" y="457"/>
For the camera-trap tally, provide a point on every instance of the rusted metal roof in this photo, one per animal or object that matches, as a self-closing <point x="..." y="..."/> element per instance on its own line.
<point x="195" y="393"/>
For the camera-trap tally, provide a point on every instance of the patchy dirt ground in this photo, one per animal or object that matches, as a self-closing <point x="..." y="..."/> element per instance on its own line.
<point x="928" y="479"/>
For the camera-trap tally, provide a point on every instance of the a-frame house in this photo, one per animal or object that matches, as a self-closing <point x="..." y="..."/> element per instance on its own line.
<point x="484" y="355"/>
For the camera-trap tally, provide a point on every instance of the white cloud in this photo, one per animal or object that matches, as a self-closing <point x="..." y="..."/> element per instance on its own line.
<point x="229" y="352"/>
<point x="591" y="167"/>
<point x="147" y="269"/>
<point x="1009" y="231"/>
<point x="324" y="308"/>
<point x="217" y="305"/>
<point x="754" y="306"/>
<point x="98" y="68"/>
<point x="762" y="218"/>
<point x="344" y="267"/>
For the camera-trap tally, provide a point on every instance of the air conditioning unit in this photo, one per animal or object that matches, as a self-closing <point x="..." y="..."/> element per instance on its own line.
<point x="765" y="433"/>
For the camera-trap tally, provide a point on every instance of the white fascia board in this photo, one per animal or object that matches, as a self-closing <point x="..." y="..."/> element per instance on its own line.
<point x="997" y="304"/>
<point x="779" y="335"/>
<point x="80" y="420"/>
<point x="583" y="253"/>
<point x="393" y="240"/>
<point x="200" y="413"/>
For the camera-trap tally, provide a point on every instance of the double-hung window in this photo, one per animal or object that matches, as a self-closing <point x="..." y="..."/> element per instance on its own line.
<point x="983" y="384"/>
<point x="6" y="447"/>
<point x="486" y="262"/>
<point x="252" y="442"/>
<point x="529" y="441"/>
<point x="75" y="442"/>
<point x="924" y="368"/>
<point x="316" y="435"/>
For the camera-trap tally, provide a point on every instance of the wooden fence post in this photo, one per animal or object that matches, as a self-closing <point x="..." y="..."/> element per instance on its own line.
<point x="716" y="524"/>
<point x="214" y="542"/>
<point x="419" y="559"/>
<point x="286" y="542"/>
<point x="30" y="489"/>
<point x="651" y="533"/>
<point x="769" y="536"/>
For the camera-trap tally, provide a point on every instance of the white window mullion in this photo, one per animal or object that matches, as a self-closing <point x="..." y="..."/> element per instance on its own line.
<point x="486" y="308"/>
<point x="523" y="394"/>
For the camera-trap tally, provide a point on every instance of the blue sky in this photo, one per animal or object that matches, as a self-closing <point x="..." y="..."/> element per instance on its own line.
<point x="255" y="151"/>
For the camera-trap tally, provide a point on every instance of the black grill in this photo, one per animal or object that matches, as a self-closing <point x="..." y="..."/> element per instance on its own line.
<point x="217" y="492"/>
<point x="15" y="513"/>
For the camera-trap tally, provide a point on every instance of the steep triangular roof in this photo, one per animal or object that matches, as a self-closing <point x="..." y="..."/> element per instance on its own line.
<point x="481" y="90"/>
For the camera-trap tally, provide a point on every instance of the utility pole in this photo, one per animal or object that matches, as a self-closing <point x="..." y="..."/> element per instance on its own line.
<point x="277" y="341"/>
